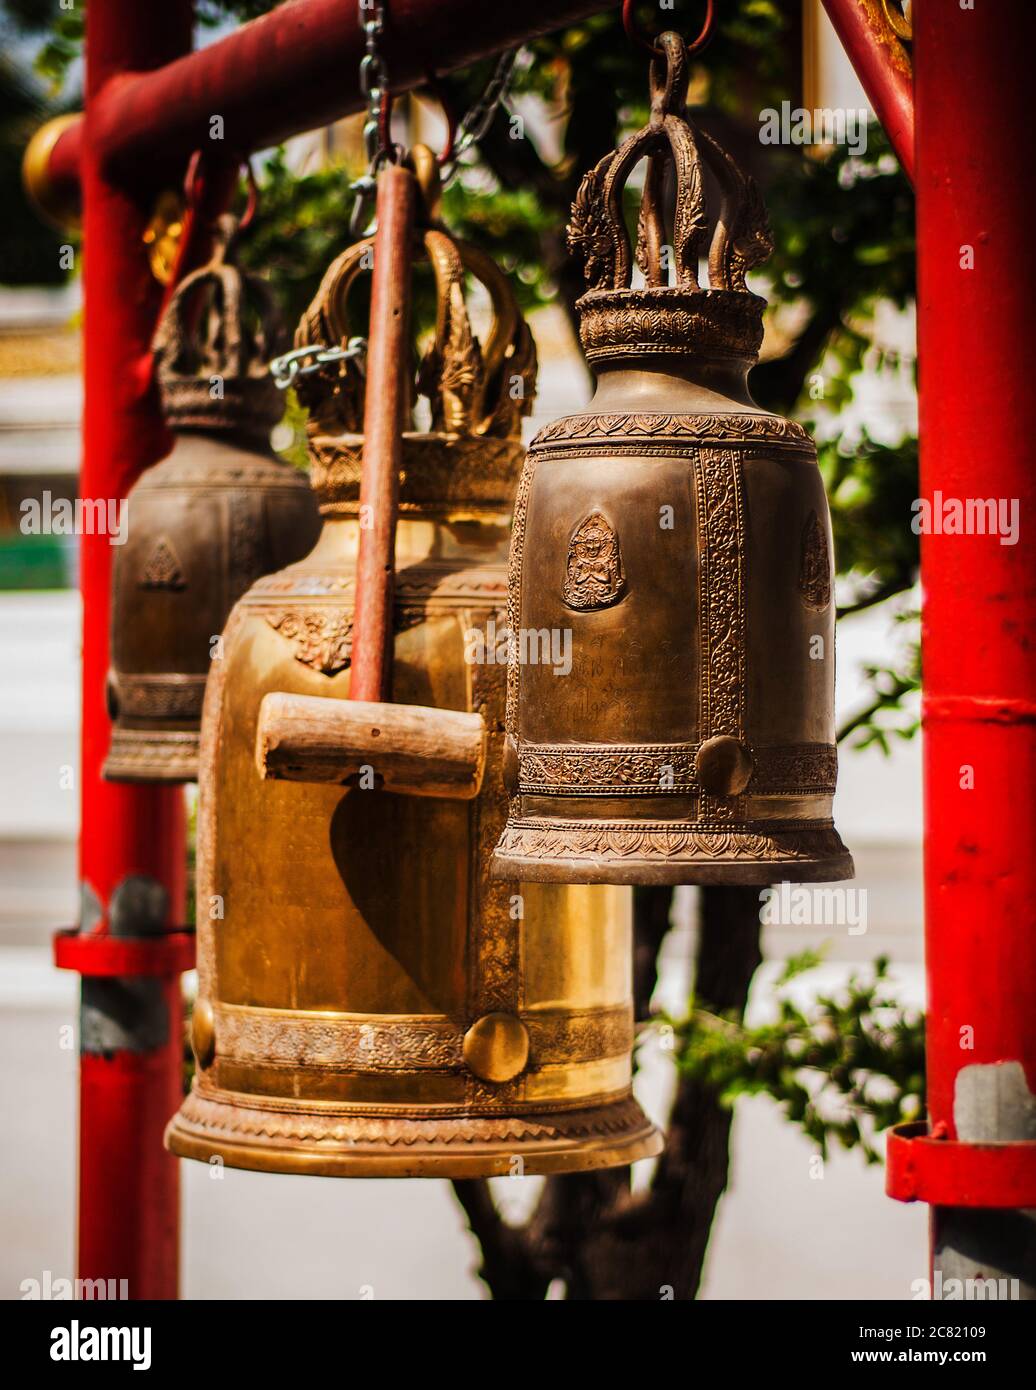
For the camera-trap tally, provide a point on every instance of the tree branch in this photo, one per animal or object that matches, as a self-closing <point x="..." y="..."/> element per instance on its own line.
<point x="507" y="1266"/>
<point x="889" y="589"/>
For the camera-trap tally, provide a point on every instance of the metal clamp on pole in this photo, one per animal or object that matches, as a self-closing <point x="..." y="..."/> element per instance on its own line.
<point x="929" y="1167"/>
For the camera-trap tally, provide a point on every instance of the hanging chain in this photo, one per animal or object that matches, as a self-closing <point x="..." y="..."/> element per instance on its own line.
<point x="378" y="147"/>
<point x="303" y="361"/>
<point x="374" y="85"/>
<point x="374" y="82"/>
<point x="480" y="117"/>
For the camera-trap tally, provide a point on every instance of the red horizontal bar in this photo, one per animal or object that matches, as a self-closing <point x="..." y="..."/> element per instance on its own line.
<point x="292" y="70"/>
<point x="949" y="1173"/>
<point x="170" y="953"/>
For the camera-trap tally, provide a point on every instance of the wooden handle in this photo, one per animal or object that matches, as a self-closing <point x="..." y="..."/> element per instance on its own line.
<point x="400" y="748"/>
<point x="363" y="740"/>
<point x="388" y="366"/>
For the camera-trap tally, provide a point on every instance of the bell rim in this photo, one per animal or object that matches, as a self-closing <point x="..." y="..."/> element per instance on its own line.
<point x="152" y="755"/>
<point x="675" y="872"/>
<point x="437" y="1158"/>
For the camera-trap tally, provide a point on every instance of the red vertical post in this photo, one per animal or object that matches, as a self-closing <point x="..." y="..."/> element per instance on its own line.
<point x="883" y="67"/>
<point x="976" y="294"/>
<point x="132" y="841"/>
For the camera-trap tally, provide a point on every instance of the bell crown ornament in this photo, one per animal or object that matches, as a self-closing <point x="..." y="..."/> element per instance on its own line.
<point x="212" y="346"/>
<point x="371" y="1002"/>
<point x="676" y="538"/>
<point x="724" y="320"/>
<point x="219" y="511"/>
<point x="475" y="397"/>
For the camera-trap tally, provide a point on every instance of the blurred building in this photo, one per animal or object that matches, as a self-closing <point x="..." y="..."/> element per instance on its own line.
<point x="40" y="406"/>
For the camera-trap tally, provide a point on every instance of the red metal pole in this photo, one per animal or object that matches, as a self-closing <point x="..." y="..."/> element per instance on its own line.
<point x="132" y="842"/>
<point x="883" y="67"/>
<point x="976" y="291"/>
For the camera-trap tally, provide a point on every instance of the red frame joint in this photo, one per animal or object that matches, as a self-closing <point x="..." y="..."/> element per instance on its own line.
<point x="951" y="1173"/>
<point x="171" y="953"/>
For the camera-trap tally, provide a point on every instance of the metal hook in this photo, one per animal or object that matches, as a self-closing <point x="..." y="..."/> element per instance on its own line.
<point x="253" y="197"/>
<point x="193" y="189"/>
<point x="365" y="188"/>
<point x="669" y="76"/>
<point x="439" y="92"/>
<point x="633" y="33"/>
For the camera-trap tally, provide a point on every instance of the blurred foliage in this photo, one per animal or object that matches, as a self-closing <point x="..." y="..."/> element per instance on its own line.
<point x="869" y="489"/>
<point x="893" y="710"/>
<point x="300" y="227"/>
<point x="843" y="1068"/>
<point x="57" y="30"/>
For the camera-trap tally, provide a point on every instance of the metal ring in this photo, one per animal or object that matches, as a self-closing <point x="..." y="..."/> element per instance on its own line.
<point x="388" y="154"/>
<point x="438" y="91"/>
<point x="192" y="189"/>
<point x="370" y="73"/>
<point x="629" y="23"/>
<point x="253" y="196"/>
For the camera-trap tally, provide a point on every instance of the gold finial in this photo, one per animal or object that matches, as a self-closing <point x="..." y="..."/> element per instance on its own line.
<point x="426" y="171"/>
<point x="55" y="203"/>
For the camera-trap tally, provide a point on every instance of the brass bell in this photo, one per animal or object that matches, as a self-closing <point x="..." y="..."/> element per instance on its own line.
<point x="371" y="1002"/>
<point x="213" y="516"/>
<point x="678" y="538"/>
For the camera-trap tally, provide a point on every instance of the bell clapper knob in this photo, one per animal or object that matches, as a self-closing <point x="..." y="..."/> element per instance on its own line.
<point x="723" y="765"/>
<point x="203" y="1033"/>
<point x="511" y="766"/>
<point x="496" y="1047"/>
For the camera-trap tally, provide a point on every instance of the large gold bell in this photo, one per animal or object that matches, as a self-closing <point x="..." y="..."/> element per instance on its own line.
<point x="674" y="540"/>
<point x="203" y="524"/>
<point x="371" y="1002"/>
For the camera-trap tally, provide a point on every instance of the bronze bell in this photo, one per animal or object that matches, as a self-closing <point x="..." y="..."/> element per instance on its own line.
<point x="679" y="537"/>
<point x="371" y="1002"/>
<point x="213" y="516"/>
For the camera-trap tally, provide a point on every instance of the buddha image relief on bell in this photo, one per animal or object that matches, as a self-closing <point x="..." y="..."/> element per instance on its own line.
<point x="681" y="536"/>
<point x="219" y="511"/>
<point x="371" y="1001"/>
